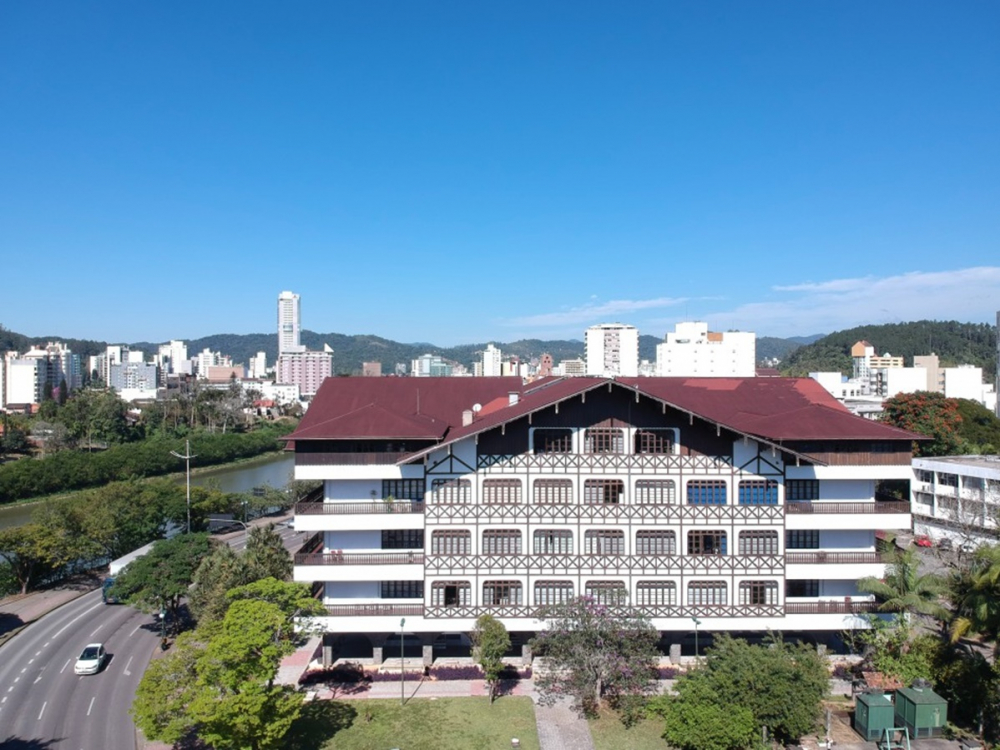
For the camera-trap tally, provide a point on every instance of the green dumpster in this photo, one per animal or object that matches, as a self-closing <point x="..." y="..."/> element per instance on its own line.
<point x="921" y="710"/>
<point x="873" y="713"/>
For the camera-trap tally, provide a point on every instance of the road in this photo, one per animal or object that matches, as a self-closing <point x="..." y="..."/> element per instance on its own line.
<point x="43" y="704"/>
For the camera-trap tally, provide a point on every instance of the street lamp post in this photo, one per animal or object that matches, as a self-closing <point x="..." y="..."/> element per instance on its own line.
<point x="402" y="664"/>
<point x="187" y="457"/>
<point x="696" y="622"/>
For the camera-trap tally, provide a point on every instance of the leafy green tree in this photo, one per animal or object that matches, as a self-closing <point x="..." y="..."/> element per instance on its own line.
<point x="160" y="579"/>
<point x="975" y="591"/>
<point x="266" y="555"/>
<point x="293" y="600"/>
<point x="490" y="641"/>
<point x="221" y="570"/>
<point x="219" y="684"/>
<point x="33" y="551"/>
<point x="595" y="650"/>
<point x="123" y="516"/>
<point x="904" y="589"/>
<point x="930" y="414"/>
<point x="696" y="720"/>
<point x="891" y="649"/>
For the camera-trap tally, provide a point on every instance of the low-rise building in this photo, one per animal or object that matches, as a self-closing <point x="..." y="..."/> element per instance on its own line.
<point x="957" y="497"/>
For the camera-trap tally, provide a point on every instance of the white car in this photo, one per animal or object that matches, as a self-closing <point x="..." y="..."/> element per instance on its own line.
<point x="91" y="659"/>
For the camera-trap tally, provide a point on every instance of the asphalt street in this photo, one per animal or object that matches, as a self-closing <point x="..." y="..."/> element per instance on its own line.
<point x="43" y="704"/>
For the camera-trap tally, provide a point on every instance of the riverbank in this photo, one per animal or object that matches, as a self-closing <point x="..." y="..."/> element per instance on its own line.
<point x="19" y="512"/>
<point x="69" y="470"/>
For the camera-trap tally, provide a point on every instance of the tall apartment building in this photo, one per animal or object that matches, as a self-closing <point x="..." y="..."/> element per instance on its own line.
<point x="492" y="362"/>
<point x="430" y="366"/>
<point x="289" y="324"/>
<point x="24" y="380"/>
<point x="172" y="355"/>
<point x="612" y="350"/>
<point x="692" y="351"/>
<point x="747" y="503"/>
<point x="306" y="369"/>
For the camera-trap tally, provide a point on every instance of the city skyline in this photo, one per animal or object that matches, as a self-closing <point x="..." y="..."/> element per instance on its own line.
<point x="452" y="174"/>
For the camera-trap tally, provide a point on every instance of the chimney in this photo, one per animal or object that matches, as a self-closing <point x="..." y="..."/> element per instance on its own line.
<point x="467" y="416"/>
<point x="512" y="398"/>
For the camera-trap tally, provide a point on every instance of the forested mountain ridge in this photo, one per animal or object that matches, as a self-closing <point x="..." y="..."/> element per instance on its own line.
<point x="955" y="344"/>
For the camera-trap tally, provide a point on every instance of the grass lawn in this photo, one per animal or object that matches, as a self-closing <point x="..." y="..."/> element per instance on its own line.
<point x="422" y="724"/>
<point x="610" y="734"/>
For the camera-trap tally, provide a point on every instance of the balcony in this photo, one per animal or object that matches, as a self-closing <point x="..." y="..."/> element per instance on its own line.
<point x="837" y="507"/>
<point x="375" y="610"/>
<point x="359" y="558"/>
<point x="592" y="463"/>
<point x="593" y="564"/>
<point x="337" y="509"/>
<point x="348" y="459"/>
<point x="834" y="558"/>
<point x="830" y="608"/>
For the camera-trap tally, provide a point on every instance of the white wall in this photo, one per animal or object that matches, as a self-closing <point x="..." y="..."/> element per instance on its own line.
<point x="846" y="541"/>
<point x="847" y="490"/>
<point x="352" y="590"/>
<point x="345" y="540"/>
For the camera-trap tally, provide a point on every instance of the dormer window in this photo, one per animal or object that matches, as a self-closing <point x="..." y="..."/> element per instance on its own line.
<point x="654" y="441"/>
<point x="553" y="440"/>
<point x="603" y="440"/>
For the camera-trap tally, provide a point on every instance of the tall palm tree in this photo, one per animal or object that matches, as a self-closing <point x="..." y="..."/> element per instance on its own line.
<point x="976" y="593"/>
<point x="905" y="590"/>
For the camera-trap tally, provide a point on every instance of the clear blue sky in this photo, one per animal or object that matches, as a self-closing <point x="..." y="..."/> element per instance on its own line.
<point x="462" y="172"/>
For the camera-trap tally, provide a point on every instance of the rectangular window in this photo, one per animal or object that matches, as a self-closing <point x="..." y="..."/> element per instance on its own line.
<point x="707" y="592"/>
<point x="502" y="593"/>
<point x="553" y="491"/>
<point x="759" y="592"/>
<point x="404" y="489"/>
<point x="706" y="492"/>
<point x="758" y="542"/>
<point x="604" y="542"/>
<point x="758" y="492"/>
<point x="501" y="491"/>
<point x="403" y="539"/>
<point x="802" y="539"/>
<point x="655" y="492"/>
<point x="451" y="543"/>
<point x="607" y="592"/>
<point x="925" y="476"/>
<point x="656" y="593"/>
<point x="452" y="491"/>
<point x="553" y="592"/>
<point x="451" y="594"/>
<point x="553" y="542"/>
<point x="655" y="543"/>
<point x="801" y="490"/>
<point x="801" y="588"/>
<point x="603" y="440"/>
<point x="553" y="440"/>
<point x="706" y="542"/>
<point x="948" y="480"/>
<point x="603" y="491"/>
<point x="502" y="542"/>
<point x="402" y="589"/>
<point x="654" y="441"/>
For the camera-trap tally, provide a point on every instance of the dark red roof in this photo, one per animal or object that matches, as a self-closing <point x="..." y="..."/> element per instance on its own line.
<point x="775" y="409"/>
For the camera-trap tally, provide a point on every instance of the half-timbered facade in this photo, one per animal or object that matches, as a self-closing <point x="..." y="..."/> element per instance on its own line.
<point x="748" y="504"/>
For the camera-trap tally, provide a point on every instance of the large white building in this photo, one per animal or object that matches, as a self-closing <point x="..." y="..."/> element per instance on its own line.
<point x="289" y="324"/>
<point x="612" y="350"/>
<point x="747" y="503"/>
<point x="492" y="362"/>
<point x="957" y="497"/>
<point x="692" y="351"/>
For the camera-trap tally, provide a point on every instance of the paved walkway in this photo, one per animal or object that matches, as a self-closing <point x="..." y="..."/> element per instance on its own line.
<point x="562" y="728"/>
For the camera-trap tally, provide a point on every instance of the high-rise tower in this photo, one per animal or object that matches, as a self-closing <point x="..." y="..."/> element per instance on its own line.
<point x="289" y="323"/>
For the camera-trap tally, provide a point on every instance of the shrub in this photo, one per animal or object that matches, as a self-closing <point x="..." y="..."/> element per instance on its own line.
<point x="394" y="677"/>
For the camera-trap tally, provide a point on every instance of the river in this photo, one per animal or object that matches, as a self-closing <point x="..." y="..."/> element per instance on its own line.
<point x="275" y="471"/>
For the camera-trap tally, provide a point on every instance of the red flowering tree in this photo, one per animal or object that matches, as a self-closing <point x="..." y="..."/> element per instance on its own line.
<point x="595" y="650"/>
<point x="929" y="414"/>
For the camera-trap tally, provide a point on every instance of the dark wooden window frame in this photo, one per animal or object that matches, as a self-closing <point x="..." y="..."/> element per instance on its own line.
<point x="604" y="542"/>
<point x="758" y="592"/>
<point x="451" y="542"/>
<point x="402" y="589"/>
<point x="404" y="489"/>
<point x="604" y="440"/>
<point x="802" y="539"/>
<point x="707" y="542"/>
<point x="654" y="441"/>
<point x="451" y="491"/>
<point x="655" y="542"/>
<point x="712" y="593"/>
<point x="552" y="440"/>
<point x="503" y="593"/>
<point x="655" y="492"/>
<point x="440" y="593"/>
<point x="801" y="490"/>
<point x="402" y="539"/>
<point x="759" y="543"/>
<point x="706" y="492"/>
<point x="553" y="592"/>
<point x="758" y="492"/>
<point x="552" y="491"/>
<point x="552" y="542"/>
<point x="501" y="491"/>
<point x="603" y="492"/>
<point x="502" y="542"/>
<point x="656" y="593"/>
<point x="606" y="592"/>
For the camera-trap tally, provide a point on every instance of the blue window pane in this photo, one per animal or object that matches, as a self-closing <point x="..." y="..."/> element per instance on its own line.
<point x="706" y="493"/>
<point x="758" y="493"/>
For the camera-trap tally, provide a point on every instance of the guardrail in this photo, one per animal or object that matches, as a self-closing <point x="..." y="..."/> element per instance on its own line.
<point x="359" y="558"/>
<point x="794" y="508"/>
<point x="847" y="558"/>
<point x="337" y="509"/>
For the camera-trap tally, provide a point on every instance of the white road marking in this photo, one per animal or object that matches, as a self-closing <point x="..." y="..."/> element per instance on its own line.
<point x="96" y="629"/>
<point x="65" y="665"/>
<point x="99" y="604"/>
<point x="17" y="679"/>
<point x="30" y="661"/>
<point x="90" y="708"/>
<point x="25" y="669"/>
<point x="46" y="644"/>
<point x="127" y="673"/>
<point x="10" y="689"/>
<point x="42" y="711"/>
<point x="37" y="680"/>
<point x="39" y="653"/>
<point x="3" y="700"/>
<point x="135" y="629"/>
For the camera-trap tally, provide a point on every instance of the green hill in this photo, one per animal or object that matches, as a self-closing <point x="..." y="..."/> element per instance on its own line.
<point x="955" y="343"/>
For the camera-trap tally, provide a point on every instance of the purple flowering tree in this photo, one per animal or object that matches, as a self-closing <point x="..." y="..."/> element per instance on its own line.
<point x="595" y="650"/>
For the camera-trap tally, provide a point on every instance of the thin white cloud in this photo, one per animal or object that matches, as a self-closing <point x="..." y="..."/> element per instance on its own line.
<point x="967" y="294"/>
<point x="593" y="312"/>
